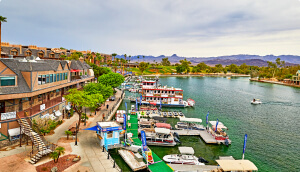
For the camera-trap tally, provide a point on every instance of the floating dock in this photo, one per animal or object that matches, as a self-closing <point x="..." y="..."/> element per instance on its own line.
<point x="206" y="137"/>
<point x="196" y="168"/>
<point x="132" y="162"/>
<point x="169" y="114"/>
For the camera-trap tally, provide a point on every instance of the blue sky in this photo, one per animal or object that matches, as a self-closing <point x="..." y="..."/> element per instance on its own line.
<point x="191" y="28"/>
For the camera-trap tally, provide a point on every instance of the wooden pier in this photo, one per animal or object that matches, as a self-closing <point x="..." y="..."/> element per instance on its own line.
<point x="207" y="137"/>
<point x="129" y="158"/>
<point x="187" y="132"/>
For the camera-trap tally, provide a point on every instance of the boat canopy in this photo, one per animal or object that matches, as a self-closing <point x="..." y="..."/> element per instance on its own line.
<point x="163" y="125"/>
<point x="191" y="120"/>
<point x="162" y="130"/>
<point x="237" y="165"/>
<point x="186" y="150"/>
<point x="220" y="124"/>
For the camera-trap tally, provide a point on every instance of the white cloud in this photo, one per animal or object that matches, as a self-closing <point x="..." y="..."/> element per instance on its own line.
<point x="187" y="28"/>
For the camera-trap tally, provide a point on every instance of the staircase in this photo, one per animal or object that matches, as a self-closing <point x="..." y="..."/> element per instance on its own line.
<point x="42" y="147"/>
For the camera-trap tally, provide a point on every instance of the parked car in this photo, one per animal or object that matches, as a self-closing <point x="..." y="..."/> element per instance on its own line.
<point x="112" y="98"/>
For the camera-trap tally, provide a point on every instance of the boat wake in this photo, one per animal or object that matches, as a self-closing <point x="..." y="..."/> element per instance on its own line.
<point x="282" y="103"/>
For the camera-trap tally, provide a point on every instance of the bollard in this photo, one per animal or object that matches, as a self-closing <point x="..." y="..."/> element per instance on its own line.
<point x="103" y="149"/>
<point x="107" y="153"/>
<point x="114" y="164"/>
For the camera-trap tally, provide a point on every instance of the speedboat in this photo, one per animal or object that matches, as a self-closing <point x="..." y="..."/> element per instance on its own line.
<point x="189" y="124"/>
<point x="219" y="134"/>
<point x="186" y="156"/>
<point x="256" y="101"/>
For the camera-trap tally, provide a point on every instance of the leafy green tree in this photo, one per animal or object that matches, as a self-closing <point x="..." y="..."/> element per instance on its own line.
<point x="185" y="65"/>
<point x="80" y="99"/>
<point x="111" y="79"/>
<point x="143" y="66"/>
<point x="68" y="133"/>
<point x="165" y="61"/>
<point x="180" y="69"/>
<point x="98" y="71"/>
<point x="75" y="56"/>
<point x="202" y="66"/>
<point x="98" y="88"/>
<point x="273" y="68"/>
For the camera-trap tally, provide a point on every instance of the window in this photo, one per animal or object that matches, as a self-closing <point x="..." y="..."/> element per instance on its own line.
<point x="57" y="77"/>
<point x="60" y="76"/>
<point x="63" y="76"/>
<point x="52" y="55"/>
<point x="44" y="79"/>
<point x="47" y="78"/>
<point x="51" y="78"/>
<point x="40" y="78"/>
<point x="57" y="90"/>
<point x="66" y="76"/>
<point x="14" y="52"/>
<point x="54" y="77"/>
<point x="158" y="91"/>
<point x="28" y="53"/>
<point x="41" y="54"/>
<point x="7" y="81"/>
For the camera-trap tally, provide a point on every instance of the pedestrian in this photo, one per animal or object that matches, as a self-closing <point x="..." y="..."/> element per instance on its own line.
<point x="107" y="106"/>
<point x="103" y="116"/>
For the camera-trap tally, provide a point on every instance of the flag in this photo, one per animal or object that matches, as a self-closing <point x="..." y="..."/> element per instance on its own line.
<point x="207" y="117"/>
<point x="141" y="100"/>
<point x="245" y="141"/>
<point x="144" y="143"/>
<point x="136" y="105"/>
<point x="217" y="125"/>
<point x="126" y="106"/>
<point x="124" y="121"/>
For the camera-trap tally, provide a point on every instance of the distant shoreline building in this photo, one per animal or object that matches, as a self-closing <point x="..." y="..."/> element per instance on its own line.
<point x="47" y="53"/>
<point x="34" y="88"/>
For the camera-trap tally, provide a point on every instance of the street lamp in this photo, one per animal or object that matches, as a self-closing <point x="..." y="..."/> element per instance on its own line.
<point x="76" y="136"/>
<point x="85" y="118"/>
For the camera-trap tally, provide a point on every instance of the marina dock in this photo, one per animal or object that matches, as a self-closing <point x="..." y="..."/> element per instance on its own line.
<point x="196" y="168"/>
<point x="206" y="137"/>
<point x="132" y="162"/>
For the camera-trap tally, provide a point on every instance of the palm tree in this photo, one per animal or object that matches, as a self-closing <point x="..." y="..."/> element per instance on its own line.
<point x="60" y="150"/>
<point x="2" y="19"/>
<point x="138" y="58"/>
<point x="67" y="132"/>
<point x="114" y="55"/>
<point x="143" y="58"/>
<point x="54" y="155"/>
<point x="109" y="62"/>
<point x="125" y="55"/>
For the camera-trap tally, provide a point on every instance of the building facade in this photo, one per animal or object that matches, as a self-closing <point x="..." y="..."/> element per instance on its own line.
<point x="33" y="87"/>
<point x="296" y="78"/>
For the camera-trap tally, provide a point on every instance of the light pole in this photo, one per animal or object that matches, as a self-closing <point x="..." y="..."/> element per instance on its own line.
<point x="76" y="136"/>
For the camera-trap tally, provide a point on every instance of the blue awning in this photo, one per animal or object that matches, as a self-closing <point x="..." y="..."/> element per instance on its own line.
<point x="95" y="128"/>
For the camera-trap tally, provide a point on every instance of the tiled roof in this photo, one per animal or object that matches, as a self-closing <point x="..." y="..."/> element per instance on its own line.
<point x="17" y="66"/>
<point x="76" y="64"/>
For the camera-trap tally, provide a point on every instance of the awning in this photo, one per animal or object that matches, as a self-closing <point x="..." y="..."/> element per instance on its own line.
<point x="153" y="103"/>
<point x="163" y="125"/>
<point x="186" y="150"/>
<point x="14" y="132"/>
<point x="68" y="107"/>
<point x="58" y="113"/>
<point x="162" y="130"/>
<point x="237" y="165"/>
<point x="95" y="128"/>
<point x="220" y="124"/>
<point x="191" y="120"/>
<point x="75" y="70"/>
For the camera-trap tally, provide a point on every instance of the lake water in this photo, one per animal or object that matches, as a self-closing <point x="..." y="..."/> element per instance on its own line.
<point x="272" y="127"/>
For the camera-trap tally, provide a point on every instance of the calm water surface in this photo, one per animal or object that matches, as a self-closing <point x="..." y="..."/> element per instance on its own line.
<point x="272" y="127"/>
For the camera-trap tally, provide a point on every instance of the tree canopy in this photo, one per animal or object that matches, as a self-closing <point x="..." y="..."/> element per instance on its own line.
<point x="98" y="71"/>
<point x="111" y="79"/>
<point x="165" y="61"/>
<point x="75" y="56"/>
<point x="98" y="88"/>
<point x="143" y="66"/>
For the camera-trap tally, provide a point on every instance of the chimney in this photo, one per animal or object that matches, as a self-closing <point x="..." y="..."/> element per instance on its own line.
<point x="20" y="49"/>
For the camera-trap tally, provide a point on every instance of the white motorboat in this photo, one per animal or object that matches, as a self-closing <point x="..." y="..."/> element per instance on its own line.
<point x="186" y="156"/>
<point x="189" y="124"/>
<point x="120" y="116"/>
<point x="159" y="137"/>
<point x="256" y="101"/>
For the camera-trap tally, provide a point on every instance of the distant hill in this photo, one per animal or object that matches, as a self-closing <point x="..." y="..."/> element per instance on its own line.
<point x="224" y="60"/>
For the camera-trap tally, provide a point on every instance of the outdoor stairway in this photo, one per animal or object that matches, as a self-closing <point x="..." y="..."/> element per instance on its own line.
<point x="36" y="140"/>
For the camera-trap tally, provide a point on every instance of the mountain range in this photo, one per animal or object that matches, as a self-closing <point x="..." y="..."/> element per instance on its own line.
<point x="254" y="60"/>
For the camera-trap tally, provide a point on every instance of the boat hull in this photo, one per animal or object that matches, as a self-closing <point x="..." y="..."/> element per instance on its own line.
<point x="160" y="143"/>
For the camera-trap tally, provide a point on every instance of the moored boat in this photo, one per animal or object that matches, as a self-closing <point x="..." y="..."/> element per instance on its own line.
<point x="256" y="101"/>
<point x="217" y="130"/>
<point x="159" y="137"/>
<point x="120" y="116"/>
<point x="186" y="156"/>
<point x="190" y="124"/>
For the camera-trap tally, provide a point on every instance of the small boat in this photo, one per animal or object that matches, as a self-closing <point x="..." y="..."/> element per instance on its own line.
<point x="189" y="124"/>
<point x="186" y="156"/>
<point x="219" y="134"/>
<point x="175" y="114"/>
<point x="181" y="114"/>
<point x="119" y="116"/>
<point x="190" y="102"/>
<point x="170" y="114"/>
<point x="256" y="102"/>
<point x="159" y="137"/>
<point x="165" y="114"/>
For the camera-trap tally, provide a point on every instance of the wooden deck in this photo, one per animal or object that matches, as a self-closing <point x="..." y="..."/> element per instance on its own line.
<point x="198" y="168"/>
<point x="131" y="161"/>
<point x="202" y="133"/>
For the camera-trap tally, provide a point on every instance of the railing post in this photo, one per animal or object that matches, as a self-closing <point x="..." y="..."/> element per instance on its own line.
<point x="103" y="149"/>
<point x="107" y="153"/>
<point x="114" y="164"/>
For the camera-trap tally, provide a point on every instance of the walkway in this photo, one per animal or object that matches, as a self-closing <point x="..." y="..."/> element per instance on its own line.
<point x="158" y="165"/>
